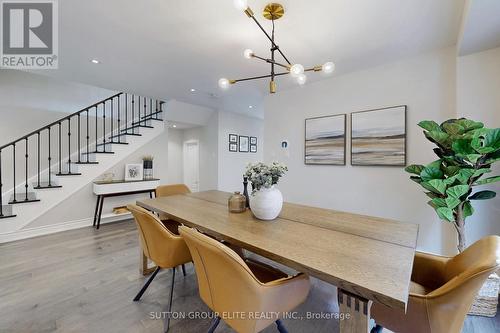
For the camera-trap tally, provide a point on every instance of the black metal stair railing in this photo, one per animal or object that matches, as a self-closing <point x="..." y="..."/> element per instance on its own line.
<point x="40" y="144"/>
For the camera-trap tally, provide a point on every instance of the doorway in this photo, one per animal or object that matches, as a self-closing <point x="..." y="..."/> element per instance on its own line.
<point x="191" y="164"/>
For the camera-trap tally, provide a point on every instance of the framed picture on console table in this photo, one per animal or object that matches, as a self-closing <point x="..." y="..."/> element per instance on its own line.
<point x="325" y="142"/>
<point x="133" y="172"/>
<point x="378" y="137"/>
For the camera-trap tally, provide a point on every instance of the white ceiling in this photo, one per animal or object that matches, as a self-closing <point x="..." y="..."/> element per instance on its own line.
<point x="163" y="48"/>
<point x="481" y="26"/>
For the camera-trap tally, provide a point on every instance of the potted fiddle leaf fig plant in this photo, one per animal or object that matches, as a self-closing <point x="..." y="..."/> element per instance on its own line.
<point x="466" y="151"/>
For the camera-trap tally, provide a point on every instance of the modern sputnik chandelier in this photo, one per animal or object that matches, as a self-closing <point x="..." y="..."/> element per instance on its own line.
<point x="273" y="12"/>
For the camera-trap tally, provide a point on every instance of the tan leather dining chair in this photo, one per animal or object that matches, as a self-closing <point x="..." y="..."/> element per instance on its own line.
<point x="230" y="285"/>
<point x="160" y="245"/>
<point x="442" y="290"/>
<point x="168" y="190"/>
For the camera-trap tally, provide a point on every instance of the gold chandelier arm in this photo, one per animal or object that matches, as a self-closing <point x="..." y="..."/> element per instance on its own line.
<point x="317" y="68"/>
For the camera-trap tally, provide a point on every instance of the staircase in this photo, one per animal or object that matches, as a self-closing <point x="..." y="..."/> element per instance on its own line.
<point x="41" y="169"/>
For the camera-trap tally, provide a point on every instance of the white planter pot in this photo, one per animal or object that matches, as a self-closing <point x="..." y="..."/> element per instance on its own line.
<point x="266" y="203"/>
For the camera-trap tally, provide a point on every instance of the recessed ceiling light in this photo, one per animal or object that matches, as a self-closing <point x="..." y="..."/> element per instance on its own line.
<point x="250" y="106"/>
<point x="174" y="126"/>
<point x="95" y="61"/>
<point x="193" y="90"/>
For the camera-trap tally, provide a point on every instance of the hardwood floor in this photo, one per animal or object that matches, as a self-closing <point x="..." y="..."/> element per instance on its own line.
<point x="84" y="281"/>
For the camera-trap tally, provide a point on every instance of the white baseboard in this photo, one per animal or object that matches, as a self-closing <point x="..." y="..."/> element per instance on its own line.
<point x="53" y="228"/>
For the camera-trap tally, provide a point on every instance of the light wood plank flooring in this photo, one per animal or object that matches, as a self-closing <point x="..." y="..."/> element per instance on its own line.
<point x="84" y="281"/>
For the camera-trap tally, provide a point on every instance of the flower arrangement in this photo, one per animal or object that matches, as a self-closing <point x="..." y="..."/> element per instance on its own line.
<point x="263" y="175"/>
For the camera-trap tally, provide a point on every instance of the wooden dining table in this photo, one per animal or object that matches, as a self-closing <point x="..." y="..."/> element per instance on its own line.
<point x="369" y="259"/>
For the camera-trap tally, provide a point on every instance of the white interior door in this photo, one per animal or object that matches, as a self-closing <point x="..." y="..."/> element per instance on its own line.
<point x="192" y="165"/>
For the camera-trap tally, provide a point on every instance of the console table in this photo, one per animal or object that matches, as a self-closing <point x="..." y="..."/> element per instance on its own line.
<point x="115" y="188"/>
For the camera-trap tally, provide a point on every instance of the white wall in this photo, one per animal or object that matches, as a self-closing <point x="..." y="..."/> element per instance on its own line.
<point x="208" y="138"/>
<point x="232" y="164"/>
<point x="187" y="113"/>
<point x="28" y="91"/>
<point x="478" y="96"/>
<point x="425" y="83"/>
<point x="175" y="157"/>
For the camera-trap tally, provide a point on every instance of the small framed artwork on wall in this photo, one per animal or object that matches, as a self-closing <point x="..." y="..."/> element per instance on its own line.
<point x="233" y="138"/>
<point x="378" y="137"/>
<point x="253" y="141"/>
<point x="244" y="144"/>
<point x="253" y="148"/>
<point x="233" y="147"/>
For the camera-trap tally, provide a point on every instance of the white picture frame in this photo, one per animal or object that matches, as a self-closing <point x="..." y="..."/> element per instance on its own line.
<point x="133" y="172"/>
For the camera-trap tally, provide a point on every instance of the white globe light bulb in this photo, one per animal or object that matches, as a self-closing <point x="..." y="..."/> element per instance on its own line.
<point x="301" y="79"/>
<point x="328" y="67"/>
<point x="248" y="53"/>
<point x="240" y="4"/>
<point x="296" y="70"/>
<point x="224" y="83"/>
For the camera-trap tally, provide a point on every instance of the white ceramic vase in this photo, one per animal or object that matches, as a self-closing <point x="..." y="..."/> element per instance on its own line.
<point x="266" y="203"/>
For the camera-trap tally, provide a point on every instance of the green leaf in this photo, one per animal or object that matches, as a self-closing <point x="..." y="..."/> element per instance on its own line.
<point x="445" y="213"/>
<point x="486" y="141"/>
<point x="453" y="128"/>
<point x="457" y="191"/>
<point x="431" y="195"/>
<point x="416" y="179"/>
<point x="488" y="180"/>
<point x="414" y="168"/>
<point x="451" y="170"/>
<point x="480" y="172"/>
<point x="464" y="175"/>
<point x="434" y="164"/>
<point x="450" y="180"/>
<point x="483" y="195"/>
<point x="435" y="185"/>
<point x="493" y="157"/>
<point x="468" y="209"/>
<point x="469" y="125"/>
<point x="438" y="202"/>
<point x="473" y="157"/>
<point x="438" y="137"/>
<point x="429" y="125"/>
<point x="452" y="202"/>
<point x="432" y="171"/>
<point x="462" y="147"/>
